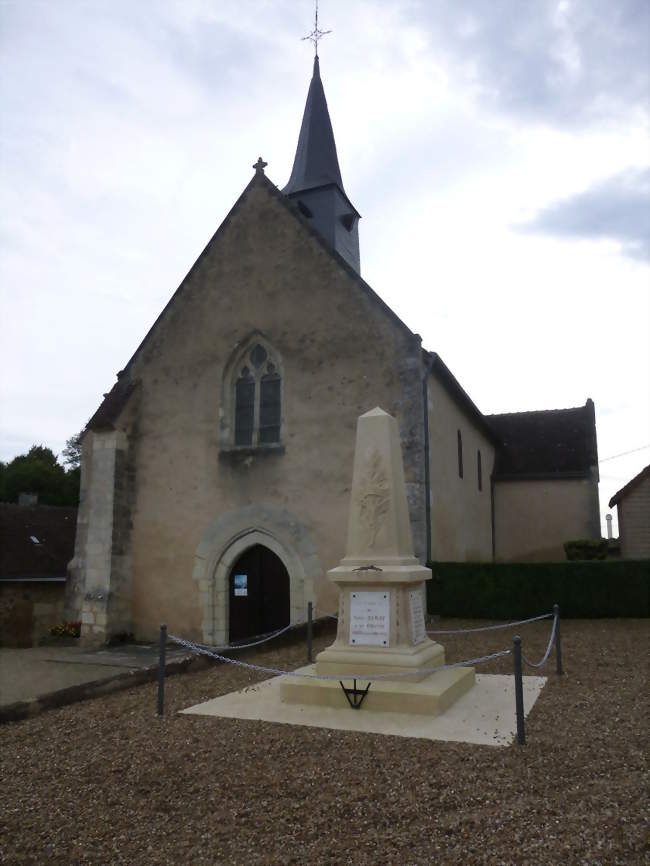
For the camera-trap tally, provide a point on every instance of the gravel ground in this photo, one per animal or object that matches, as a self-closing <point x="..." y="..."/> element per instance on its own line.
<point x="106" y="782"/>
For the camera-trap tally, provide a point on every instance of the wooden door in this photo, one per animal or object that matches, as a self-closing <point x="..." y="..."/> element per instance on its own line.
<point x="259" y="594"/>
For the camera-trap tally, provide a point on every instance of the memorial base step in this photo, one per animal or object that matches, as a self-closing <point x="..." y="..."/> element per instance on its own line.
<point x="431" y="696"/>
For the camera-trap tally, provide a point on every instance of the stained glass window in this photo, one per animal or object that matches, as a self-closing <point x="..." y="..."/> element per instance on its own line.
<point x="270" y="407"/>
<point x="258" y="400"/>
<point x="244" y="408"/>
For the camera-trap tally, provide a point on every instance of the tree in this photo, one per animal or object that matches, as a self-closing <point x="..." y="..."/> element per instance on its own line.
<point x="42" y="454"/>
<point x="39" y="472"/>
<point x="72" y="451"/>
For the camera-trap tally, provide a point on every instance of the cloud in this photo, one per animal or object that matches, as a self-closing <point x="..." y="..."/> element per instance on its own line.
<point x="617" y="209"/>
<point x="129" y="129"/>
<point x="568" y="62"/>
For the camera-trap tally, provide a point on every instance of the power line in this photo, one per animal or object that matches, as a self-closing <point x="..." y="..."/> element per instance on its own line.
<point x="624" y="453"/>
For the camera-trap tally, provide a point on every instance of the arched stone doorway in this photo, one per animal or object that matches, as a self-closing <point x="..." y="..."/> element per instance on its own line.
<point x="259" y="594"/>
<point x="231" y="535"/>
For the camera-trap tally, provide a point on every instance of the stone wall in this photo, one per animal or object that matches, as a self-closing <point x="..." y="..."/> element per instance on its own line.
<point x="28" y="609"/>
<point x="634" y="521"/>
<point x="411" y="423"/>
<point x="99" y="593"/>
<point x="75" y="585"/>
<point x="342" y="353"/>
<point x="120" y="613"/>
<point x="461" y="514"/>
<point x="533" y="519"/>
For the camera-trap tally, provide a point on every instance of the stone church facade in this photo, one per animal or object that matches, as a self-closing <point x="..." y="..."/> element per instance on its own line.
<point x="216" y="472"/>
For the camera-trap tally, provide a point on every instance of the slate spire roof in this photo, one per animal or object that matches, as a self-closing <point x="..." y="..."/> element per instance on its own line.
<point x="316" y="162"/>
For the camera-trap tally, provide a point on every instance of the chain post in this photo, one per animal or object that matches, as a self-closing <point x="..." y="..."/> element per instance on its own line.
<point x="161" y="668"/>
<point x="558" y="643"/>
<point x="309" y="632"/>
<point x="519" y="691"/>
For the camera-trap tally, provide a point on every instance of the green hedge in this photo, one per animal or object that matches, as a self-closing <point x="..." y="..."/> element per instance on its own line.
<point x="586" y="548"/>
<point x="488" y="590"/>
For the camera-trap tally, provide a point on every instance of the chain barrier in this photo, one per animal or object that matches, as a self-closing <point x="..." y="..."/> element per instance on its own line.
<point x="468" y="630"/>
<point x="197" y="648"/>
<point x="263" y="639"/>
<point x="551" y="641"/>
<point x="493" y="627"/>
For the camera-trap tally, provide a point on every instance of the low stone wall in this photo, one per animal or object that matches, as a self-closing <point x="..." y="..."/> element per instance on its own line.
<point x="28" y="609"/>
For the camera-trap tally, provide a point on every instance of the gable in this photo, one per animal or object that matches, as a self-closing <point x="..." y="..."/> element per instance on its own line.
<point x="630" y="486"/>
<point x="264" y="242"/>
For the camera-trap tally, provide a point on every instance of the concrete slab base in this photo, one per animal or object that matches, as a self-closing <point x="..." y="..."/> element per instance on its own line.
<point x="485" y="715"/>
<point x="429" y="697"/>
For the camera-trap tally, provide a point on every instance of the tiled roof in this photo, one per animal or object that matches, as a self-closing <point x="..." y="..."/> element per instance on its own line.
<point x="53" y="529"/>
<point x="616" y="498"/>
<point x="554" y="443"/>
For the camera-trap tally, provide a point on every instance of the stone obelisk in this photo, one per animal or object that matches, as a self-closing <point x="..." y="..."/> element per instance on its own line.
<point x="381" y="584"/>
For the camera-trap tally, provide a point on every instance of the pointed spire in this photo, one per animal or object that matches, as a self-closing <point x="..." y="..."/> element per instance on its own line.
<point x="316" y="163"/>
<point x="315" y="183"/>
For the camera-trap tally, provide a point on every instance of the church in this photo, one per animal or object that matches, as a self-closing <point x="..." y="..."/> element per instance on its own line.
<point x="216" y="472"/>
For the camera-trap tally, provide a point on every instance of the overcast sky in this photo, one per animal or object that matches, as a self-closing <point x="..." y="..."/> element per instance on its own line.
<point x="498" y="151"/>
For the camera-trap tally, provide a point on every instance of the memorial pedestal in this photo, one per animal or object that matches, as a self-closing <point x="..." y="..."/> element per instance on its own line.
<point x="381" y="627"/>
<point x="381" y="630"/>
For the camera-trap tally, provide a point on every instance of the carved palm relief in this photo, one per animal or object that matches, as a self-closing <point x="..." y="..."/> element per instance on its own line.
<point x="374" y="499"/>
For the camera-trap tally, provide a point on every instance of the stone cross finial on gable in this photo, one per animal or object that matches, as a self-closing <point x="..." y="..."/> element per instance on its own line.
<point x="259" y="166"/>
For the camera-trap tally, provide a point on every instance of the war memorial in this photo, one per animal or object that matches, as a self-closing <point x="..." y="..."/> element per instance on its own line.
<point x="383" y="663"/>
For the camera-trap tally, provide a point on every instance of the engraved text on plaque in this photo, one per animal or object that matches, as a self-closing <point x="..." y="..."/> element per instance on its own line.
<point x="369" y="618"/>
<point x="418" y="630"/>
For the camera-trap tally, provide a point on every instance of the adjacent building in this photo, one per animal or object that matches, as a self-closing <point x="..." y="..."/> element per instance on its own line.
<point x="633" y="504"/>
<point x="36" y="544"/>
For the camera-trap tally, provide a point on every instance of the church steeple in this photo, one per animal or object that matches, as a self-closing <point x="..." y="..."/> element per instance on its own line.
<point x="316" y="162"/>
<point x="316" y="182"/>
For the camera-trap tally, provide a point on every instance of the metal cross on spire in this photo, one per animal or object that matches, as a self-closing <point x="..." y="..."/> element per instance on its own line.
<point x="316" y="34"/>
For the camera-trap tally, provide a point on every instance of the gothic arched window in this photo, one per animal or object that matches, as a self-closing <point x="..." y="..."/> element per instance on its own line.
<point x="257" y="398"/>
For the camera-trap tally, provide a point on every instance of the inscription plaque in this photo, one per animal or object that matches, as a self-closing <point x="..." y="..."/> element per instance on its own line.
<point x="418" y="629"/>
<point x="369" y="618"/>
